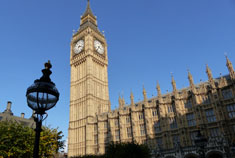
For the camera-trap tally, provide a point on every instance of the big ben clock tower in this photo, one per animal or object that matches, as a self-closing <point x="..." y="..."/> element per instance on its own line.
<point x="89" y="93"/>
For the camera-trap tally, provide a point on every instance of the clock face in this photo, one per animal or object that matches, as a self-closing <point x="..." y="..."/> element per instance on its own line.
<point x="78" y="46"/>
<point x="98" y="47"/>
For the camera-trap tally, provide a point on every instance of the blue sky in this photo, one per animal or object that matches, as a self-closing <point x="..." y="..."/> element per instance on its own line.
<point x="147" y="40"/>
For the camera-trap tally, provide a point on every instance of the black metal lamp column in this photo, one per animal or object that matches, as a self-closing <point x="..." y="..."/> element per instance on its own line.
<point x="41" y="96"/>
<point x="37" y="137"/>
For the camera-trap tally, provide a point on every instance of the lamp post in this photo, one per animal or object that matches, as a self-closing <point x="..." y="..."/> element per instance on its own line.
<point x="42" y="95"/>
<point x="200" y="142"/>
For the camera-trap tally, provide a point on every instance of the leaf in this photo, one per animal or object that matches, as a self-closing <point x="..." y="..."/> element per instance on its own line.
<point x="18" y="140"/>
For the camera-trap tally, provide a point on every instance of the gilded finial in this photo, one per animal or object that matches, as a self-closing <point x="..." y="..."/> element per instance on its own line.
<point x="48" y="65"/>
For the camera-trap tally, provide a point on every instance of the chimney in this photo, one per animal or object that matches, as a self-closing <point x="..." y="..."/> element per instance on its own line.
<point x="9" y="105"/>
<point x="22" y="115"/>
<point x="8" y="109"/>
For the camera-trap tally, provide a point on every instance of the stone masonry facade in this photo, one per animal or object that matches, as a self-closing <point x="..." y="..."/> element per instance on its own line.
<point x="167" y="123"/>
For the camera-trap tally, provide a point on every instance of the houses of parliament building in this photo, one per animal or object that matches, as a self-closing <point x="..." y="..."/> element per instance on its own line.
<point x="168" y="123"/>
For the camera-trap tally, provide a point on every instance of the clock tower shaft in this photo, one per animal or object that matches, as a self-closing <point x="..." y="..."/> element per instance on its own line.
<point x="89" y="95"/>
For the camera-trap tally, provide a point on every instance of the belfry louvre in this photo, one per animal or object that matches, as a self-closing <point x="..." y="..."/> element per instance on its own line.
<point x="167" y="123"/>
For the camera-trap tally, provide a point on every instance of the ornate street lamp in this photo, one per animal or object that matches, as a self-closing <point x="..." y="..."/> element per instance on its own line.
<point x="41" y="96"/>
<point x="200" y="142"/>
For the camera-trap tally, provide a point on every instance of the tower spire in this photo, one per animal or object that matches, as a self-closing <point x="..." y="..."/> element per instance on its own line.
<point x="210" y="77"/>
<point x="123" y="100"/>
<point x="132" y="98"/>
<point x="158" y="89"/>
<point x="190" y="78"/>
<point x="88" y="16"/>
<point x="145" y="94"/>
<point x="173" y="83"/>
<point x="120" y="101"/>
<point x="88" y="10"/>
<point x="159" y="94"/>
<point x="230" y="68"/>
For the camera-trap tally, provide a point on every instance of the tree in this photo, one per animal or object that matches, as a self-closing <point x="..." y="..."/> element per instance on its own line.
<point x="123" y="150"/>
<point x="130" y="150"/>
<point x="50" y="142"/>
<point x="17" y="140"/>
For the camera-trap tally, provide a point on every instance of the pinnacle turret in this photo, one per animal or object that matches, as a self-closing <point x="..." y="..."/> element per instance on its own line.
<point x="158" y="90"/>
<point x="132" y="98"/>
<point x="173" y="83"/>
<point x="145" y="94"/>
<point x="190" y="78"/>
<point x="119" y="101"/>
<point x="123" y="101"/>
<point x="230" y="68"/>
<point x="210" y="77"/>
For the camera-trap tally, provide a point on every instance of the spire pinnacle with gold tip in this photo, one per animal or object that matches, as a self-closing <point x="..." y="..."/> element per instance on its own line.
<point x="173" y="82"/>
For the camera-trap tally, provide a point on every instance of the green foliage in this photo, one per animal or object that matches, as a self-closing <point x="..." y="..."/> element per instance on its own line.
<point x="17" y="140"/>
<point x="50" y="142"/>
<point x="123" y="150"/>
